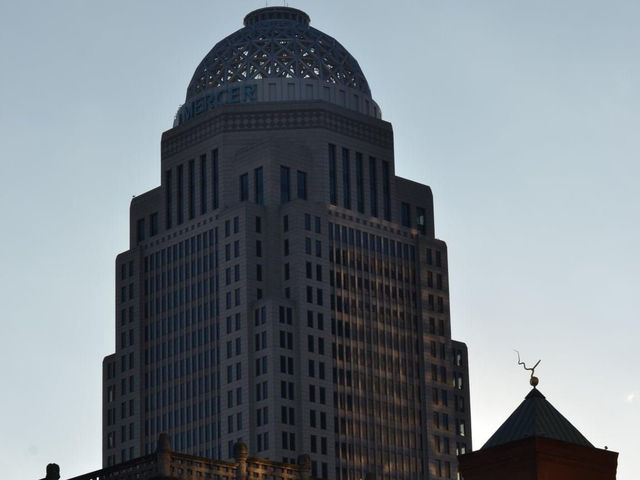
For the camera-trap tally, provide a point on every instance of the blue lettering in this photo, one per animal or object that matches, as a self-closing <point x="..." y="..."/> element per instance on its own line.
<point x="224" y="96"/>
<point x="249" y="93"/>
<point x="187" y="112"/>
<point x="200" y="106"/>
<point x="235" y="95"/>
<point x="211" y="102"/>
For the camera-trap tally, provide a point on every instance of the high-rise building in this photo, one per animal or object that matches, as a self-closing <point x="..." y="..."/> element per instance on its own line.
<point x="283" y="286"/>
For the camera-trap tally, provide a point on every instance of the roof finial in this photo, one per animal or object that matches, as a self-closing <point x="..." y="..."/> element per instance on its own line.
<point x="533" y="380"/>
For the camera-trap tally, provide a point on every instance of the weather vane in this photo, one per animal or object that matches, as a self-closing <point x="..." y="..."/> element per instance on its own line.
<point x="533" y="380"/>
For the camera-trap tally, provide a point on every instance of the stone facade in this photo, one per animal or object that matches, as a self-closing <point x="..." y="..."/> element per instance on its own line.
<point x="165" y="464"/>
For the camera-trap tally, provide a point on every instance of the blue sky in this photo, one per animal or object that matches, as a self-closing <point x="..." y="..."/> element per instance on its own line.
<point x="523" y="117"/>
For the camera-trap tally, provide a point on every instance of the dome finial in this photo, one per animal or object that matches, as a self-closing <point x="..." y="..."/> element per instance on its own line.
<point x="282" y="13"/>
<point x="533" y="380"/>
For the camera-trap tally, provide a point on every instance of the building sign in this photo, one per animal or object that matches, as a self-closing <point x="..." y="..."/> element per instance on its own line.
<point x="220" y="96"/>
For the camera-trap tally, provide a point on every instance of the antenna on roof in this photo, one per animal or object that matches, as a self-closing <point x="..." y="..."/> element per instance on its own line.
<point x="533" y="380"/>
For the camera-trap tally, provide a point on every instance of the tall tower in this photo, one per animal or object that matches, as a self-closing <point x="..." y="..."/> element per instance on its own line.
<point x="283" y="286"/>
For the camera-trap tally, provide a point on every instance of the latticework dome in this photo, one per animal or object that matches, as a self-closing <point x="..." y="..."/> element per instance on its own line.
<point x="277" y="42"/>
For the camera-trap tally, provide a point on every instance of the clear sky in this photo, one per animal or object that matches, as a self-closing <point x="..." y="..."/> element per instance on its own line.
<point x="523" y="117"/>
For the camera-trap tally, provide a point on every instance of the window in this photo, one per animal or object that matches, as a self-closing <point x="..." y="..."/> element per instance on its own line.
<point x="309" y="268"/>
<point x="421" y="220"/>
<point x="168" y="180"/>
<point x="239" y="421"/>
<point x="140" y="230"/>
<point x="258" y="186"/>
<point x="154" y="224"/>
<point x="359" y="184"/>
<point x="192" y="189"/>
<point x="302" y="185"/>
<point x="346" y="178"/>
<point x="180" y="194"/>
<point x="244" y="187"/>
<point x="333" y="197"/>
<point x="258" y="224"/>
<point x="203" y="184"/>
<point x="287" y="390"/>
<point x="215" y="175"/>
<point x="373" y="187"/>
<point x="285" y="184"/>
<point x="386" y="193"/>
<point x="406" y="214"/>
<point x="461" y="428"/>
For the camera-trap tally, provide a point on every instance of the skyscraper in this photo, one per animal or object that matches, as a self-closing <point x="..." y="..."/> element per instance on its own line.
<point x="283" y="286"/>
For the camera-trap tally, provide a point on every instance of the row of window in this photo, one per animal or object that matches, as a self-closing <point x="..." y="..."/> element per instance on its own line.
<point x="285" y="184"/>
<point x="180" y="250"/>
<point x="238" y="422"/>
<point x="174" y="184"/>
<point x="393" y="437"/>
<point x="179" y="323"/>
<point x="182" y="368"/>
<point x="153" y="284"/>
<point x="420" y="216"/>
<point x="361" y="239"/>
<point x="181" y="296"/>
<point x="193" y="389"/>
<point x="359" y="184"/>
<point x="179" y="344"/>
<point x="258" y="186"/>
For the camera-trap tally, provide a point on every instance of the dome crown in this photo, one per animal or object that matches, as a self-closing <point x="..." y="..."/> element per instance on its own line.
<point x="277" y="42"/>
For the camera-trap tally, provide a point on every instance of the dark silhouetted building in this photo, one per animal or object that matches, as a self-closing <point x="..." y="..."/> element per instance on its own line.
<point x="283" y="287"/>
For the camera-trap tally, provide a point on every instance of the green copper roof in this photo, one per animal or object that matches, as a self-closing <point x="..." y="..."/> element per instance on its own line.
<point x="536" y="417"/>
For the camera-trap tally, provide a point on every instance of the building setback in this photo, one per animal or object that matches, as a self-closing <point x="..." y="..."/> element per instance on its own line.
<point x="283" y="287"/>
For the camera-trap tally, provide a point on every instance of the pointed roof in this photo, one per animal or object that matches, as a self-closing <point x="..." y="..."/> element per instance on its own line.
<point x="536" y="417"/>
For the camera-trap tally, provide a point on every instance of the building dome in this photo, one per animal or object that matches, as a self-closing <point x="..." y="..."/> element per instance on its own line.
<point x="285" y="59"/>
<point x="277" y="42"/>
